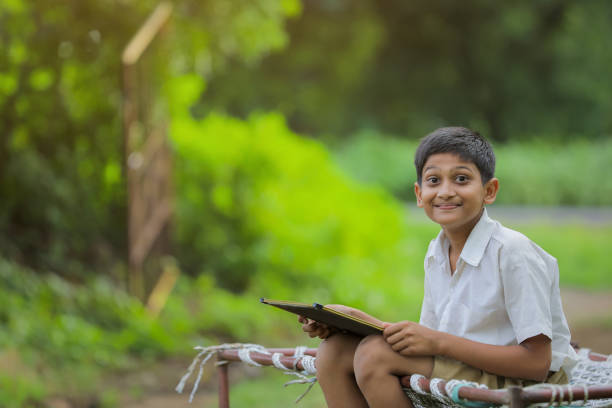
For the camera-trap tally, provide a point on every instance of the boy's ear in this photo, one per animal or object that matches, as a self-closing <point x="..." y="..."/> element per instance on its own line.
<point x="491" y="188"/>
<point x="417" y="193"/>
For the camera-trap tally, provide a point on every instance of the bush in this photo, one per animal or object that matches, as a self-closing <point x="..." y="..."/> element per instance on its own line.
<point x="73" y="333"/>
<point x="267" y="212"/>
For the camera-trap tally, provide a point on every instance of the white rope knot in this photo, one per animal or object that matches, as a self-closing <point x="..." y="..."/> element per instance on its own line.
<point x="308" y="362"/>
<point x="452" y="384"/>
<point x="245" y="355"/>
<point x="414" y="383"/>
<point x="205" y="354"/>
<point x="298" y="353"/>
<point x="276" y="360"/>
<point x="434" y="387"/>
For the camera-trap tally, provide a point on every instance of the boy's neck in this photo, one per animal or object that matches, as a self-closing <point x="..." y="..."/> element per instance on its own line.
<point x="458" y="237"/>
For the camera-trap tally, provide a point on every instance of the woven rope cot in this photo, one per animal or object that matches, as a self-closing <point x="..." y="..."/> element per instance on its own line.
<point x="590" y="386"/>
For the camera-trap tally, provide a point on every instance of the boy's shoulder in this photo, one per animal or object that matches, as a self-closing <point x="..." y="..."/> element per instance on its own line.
<point x="509" y="237"/>
<point x="517" y="244"/>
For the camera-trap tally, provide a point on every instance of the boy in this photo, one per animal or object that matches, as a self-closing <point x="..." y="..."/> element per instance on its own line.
<point x="491" y="311"/>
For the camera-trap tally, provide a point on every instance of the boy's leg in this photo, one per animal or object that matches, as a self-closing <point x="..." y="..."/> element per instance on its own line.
<point x="377" y="368"/>
<point x="335" y="371"/>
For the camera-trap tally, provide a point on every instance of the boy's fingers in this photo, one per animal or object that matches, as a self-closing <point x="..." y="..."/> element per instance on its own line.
<point x="395" y="338"/>
<point x="391" y="330"/>
<point x="396" y="328"/>
<point x="400" y="345"/>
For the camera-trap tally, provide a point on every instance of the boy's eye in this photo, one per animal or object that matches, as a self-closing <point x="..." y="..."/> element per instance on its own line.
<point x="432" y="179"/>
<point x="461" y="178"/>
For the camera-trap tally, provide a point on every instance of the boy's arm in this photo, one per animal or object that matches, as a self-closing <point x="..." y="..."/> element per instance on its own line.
<point x="529" y="360"/>
<point x="351" y="311"/>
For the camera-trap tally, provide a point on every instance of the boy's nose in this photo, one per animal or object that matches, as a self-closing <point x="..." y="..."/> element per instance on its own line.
<point x="446" y="190"/>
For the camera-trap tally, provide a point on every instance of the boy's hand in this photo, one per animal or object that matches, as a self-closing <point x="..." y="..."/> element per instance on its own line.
<point x="412" y="339"/>
<point x="315" y="329"/>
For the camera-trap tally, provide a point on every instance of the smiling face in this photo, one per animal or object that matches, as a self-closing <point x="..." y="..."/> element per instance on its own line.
<point x="452" y="193"/>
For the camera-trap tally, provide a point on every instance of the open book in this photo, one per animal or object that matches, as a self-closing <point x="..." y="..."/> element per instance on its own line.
<point x="328" y="316"/>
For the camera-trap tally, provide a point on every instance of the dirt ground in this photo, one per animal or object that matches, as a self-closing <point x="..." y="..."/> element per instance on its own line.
<point x="589" y="315"/>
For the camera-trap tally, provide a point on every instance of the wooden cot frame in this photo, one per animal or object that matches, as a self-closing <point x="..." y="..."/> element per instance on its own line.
<point x="514" y="397"/>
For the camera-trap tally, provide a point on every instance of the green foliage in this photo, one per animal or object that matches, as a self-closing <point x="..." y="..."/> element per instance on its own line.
<point x="19" y="392"/>
<point x="262" y="209"/>
<point x="27" y="391"/>
<point x="547" y="173"/>
<point x="513" y="70"/>
<point x="582" y="253"/>
<point x="536" y="173"/>
<point x="59" y="101"/>
<point x="378" y="160"/>
<point x="71" y="332"/>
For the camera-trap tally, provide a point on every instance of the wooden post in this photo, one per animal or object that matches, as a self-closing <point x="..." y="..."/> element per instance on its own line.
<point x="147" y="162"/>
<point x="222" y="374"/>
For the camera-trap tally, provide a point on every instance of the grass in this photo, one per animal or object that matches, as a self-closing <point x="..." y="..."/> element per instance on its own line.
<point x="583" y="253"/>
<point x="268" y="390"/>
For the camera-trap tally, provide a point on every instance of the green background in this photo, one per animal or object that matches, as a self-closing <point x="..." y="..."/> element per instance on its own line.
<point x="293" y="127"/>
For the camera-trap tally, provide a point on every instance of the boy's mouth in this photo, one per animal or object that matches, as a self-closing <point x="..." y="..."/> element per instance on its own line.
<point x="447" y="206"/>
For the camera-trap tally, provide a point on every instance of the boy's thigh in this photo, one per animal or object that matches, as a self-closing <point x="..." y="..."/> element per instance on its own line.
<point x="337" y="349"/>
<point x="448" y="369"/>
<point x="374" y="353"/>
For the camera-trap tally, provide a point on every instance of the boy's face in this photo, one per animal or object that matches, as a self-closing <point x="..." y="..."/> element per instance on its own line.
<point x="452" y="193"/>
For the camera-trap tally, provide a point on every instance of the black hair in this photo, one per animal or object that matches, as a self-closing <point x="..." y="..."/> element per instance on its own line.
<point x="465" y="143"/>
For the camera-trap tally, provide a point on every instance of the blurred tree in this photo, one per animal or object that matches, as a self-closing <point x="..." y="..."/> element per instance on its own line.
<point x="516" y="69"/>
<point x="62" y="196"/>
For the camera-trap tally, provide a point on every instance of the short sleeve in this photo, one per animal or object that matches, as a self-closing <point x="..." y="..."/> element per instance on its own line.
<point x="527" y="282"/>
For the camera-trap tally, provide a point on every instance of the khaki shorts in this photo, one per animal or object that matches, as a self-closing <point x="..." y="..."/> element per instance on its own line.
<point x="448" y="369"/>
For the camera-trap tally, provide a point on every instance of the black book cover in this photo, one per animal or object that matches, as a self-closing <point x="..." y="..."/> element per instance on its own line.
<point x="328" y="316"/>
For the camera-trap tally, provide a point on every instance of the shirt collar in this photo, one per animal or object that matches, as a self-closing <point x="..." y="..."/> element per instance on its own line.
<point x="474" y="247"/>
<point x="477" y="242"/>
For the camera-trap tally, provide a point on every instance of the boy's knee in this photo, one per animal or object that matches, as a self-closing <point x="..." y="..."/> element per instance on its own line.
<point x="371" y="348"/>
<point x="336" y="352"/>
<point x="374" y="359"/>
<point x="370" y="358"/>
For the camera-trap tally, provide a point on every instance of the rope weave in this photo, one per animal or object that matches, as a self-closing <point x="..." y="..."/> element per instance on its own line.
<point x="277" y="363"/>
<point x="299" y="352"/>
<point x="434" y="387"/>
<point x="586" y="373"/>
<point x="205" y="354"/>
<point x="245" y="356"/>
<point x="414" y="383"/>
<point x="308" y="362"/>
<point x="244" y="353"/>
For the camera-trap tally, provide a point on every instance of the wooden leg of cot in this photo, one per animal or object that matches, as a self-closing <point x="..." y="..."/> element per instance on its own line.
<point x="516" y="397"/>
<point x="223" y="385"/>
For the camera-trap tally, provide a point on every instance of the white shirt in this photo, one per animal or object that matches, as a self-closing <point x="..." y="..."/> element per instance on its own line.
<point x="505" y="290"/>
